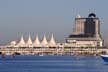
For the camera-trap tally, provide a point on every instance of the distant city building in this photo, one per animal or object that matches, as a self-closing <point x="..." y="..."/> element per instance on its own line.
<point x="86" y="32"/>
<point x="85" y="40"/>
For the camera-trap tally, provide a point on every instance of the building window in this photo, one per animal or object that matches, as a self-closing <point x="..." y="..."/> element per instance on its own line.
<point x="98" y="43"/>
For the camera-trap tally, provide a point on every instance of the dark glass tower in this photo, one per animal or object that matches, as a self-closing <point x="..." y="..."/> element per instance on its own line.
<point x="89" y="26"/>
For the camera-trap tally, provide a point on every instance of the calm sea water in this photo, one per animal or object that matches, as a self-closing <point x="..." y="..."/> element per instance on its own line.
<point x="52" y="64"/>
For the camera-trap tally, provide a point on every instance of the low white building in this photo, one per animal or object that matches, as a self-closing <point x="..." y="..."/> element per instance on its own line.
<point x="84" y="42"/>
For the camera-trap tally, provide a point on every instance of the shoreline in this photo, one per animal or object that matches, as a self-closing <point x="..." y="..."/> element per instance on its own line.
<point x="87" y="51"/>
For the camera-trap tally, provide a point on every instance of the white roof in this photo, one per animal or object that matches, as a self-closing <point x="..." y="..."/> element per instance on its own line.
<point x="29" y="41"/>
<point x="52" y="40"/>
<point x="36" y="41"/>
<point x="44" y="41"/>
<point x="21" y="42"/>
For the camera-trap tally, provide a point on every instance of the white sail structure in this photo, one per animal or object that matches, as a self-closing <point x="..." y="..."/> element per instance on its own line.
<point x="21" y="42"/>
<point x="29" y="41"/>
<point x="44" y="41"/>
<point x="36" y="41"/>
<point x="52" y="41"/>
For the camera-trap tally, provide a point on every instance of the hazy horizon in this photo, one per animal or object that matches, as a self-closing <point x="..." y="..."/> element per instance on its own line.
<point x="41" y="17"/>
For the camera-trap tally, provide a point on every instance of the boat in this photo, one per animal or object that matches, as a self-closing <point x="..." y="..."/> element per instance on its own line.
<point x="41" y="55"/>
<point x="105" y="57"/>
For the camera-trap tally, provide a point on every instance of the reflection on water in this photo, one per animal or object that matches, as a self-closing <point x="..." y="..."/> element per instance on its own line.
<point x="52" y="64"/>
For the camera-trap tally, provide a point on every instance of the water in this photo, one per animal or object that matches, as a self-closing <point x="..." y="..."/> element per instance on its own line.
<point x="52" y="64"/>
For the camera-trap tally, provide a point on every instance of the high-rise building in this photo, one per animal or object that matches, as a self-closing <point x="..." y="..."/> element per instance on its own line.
<point x="87" y="31"/>
<point x="87" y="26"/>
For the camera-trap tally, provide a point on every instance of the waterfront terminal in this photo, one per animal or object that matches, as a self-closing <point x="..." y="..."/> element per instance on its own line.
<point x="85" y="40"/>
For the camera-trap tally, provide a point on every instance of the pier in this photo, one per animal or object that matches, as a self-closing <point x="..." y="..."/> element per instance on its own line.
<point x="54" y="51"/>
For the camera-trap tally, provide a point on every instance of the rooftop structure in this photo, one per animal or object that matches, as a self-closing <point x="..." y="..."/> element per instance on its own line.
<point x="21" y="42"/>
<point x="29" y="41"/>
<point x="44" y="41"/>
<point x="52" y="41"/>
<point x="36" y="43"/>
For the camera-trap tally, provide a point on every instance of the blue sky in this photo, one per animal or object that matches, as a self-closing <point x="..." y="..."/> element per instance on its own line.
<point x="47" y="16"/>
